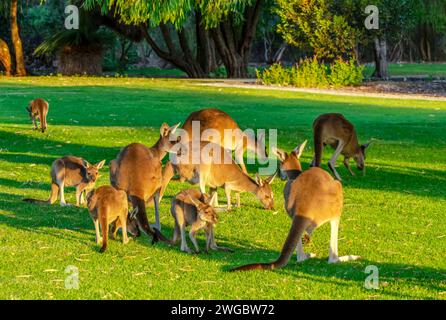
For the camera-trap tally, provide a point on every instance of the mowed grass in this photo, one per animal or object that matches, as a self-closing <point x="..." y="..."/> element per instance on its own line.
<point x="394" y="217"/>
<point x="412" y="69"/>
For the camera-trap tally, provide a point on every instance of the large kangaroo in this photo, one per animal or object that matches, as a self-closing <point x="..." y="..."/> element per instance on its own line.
<point x="138" y="171"/>
<point x="220" y="121"/>
<point x="215" y="168"/>
<point x="312" y="198"/>
<point x="71" y="172"/>
<point x="38" y="109"/>
<point x="333" y="129"/>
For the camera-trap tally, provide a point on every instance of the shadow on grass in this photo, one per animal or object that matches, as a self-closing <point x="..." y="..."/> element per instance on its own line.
<point x="55" y="221"/>
<point x="22" y="145"/>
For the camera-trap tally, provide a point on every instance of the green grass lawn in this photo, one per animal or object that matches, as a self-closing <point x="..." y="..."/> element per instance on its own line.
<point x="412" y="69"/>
<point x="394" y="217"/>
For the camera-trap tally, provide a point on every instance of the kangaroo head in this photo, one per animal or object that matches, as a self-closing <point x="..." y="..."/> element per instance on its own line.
<point x="132" y="223"/>
<point x="93" y="170"/>
<point x="205" y="211"/>
<point x="264" y="192"/>
<point x="359" y="156"/>
<point x="289" y="162"/>
<point x="167" y="140"/>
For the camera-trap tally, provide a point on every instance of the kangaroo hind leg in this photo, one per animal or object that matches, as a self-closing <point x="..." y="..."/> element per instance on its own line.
<point x="334" y="258"/>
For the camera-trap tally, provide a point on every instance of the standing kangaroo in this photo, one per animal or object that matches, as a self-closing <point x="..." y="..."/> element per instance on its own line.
<point x="333" y="129"/>
<point x="216" y="168"/>
<point x="71" y="172"/>
<point x="193" y="208"/>
<point x="312" y="198"/>
<point x="107" y="206"/>
<point x="38" y="109"/>
<point x="220" y="121"/>
<point x="138" y="171"/>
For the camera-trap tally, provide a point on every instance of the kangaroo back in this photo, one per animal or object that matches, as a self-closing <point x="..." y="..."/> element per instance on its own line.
<point x="298" y="227"/>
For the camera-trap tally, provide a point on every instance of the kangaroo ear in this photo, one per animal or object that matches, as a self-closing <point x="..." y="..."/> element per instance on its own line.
<point x="86" y="163"/>
<point x="164" y="130"/>
<point x="279" y="153"/>
<point x="259" y="180"/>
<point x="174" y="128"/>
<point x="213" y="198"/>
<point x="99" y="165"/>
<point x="194" y="201"/>
<point x="366" y="145"/>
<point x="271" y="179"/>
<point x="300" y="149"/>
<point x="28" y="109"/>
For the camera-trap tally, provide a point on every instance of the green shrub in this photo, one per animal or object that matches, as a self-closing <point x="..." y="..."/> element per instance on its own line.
<point x="310" y="73"/>
<point x="345" y="73"/>
<point x="276" y="74"/>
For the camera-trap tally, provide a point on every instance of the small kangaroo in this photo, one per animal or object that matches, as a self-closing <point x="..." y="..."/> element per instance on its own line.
<point x="138" y="171"/>
<point x="220" y="121"/>
<point x="312" y="198"/>
<point x="193" y="208"/>
<point x="333" y="129"/>
<point x="216" y="170"/>
<point x="38" y="109"/>
<point x="106" y="206"/>
<point x="71" y="172"/>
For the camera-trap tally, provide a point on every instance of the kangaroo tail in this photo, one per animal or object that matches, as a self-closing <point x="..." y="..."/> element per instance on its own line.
<point x="35" y="201"/>
<point x="318" y="145"/>
<point x="298" y="228"/>
<point x="141" y="218"/>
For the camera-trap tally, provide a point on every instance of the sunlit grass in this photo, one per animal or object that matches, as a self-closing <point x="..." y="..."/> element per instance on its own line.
<point x="394" y="217"/>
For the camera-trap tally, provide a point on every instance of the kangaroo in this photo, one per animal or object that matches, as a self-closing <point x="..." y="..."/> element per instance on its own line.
<point x="216" y="168"/>
<point x="71" y="172"/>
<point x="312" y="198"/>
<point x="333" y="129"/>
<point x="138" y="171"/>
<point x="38" y="109"/>
<point x="106" y="206"/>
<point x="220" y="121"/>
<point x="193" y="208"/>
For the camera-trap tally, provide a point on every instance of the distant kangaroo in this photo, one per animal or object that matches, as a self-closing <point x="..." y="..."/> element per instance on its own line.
<point x="312" y="198"/>
<point x="193" y="208"/>
<point x="71" y="172"/>
<point x="333" y="129"/>
<point x="138" y="171"/>
<point x="217" y="170"/>
<point x="221" y="121"/>
<point x="107" y="206"/>
<point x="38" y="109"/>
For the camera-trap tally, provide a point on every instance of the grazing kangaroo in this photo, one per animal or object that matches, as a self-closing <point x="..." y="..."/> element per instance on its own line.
<point x="193" y="208"/>
<point x="38" y="109"/>
<point x="333" y="129"/>
<point x="138" y="171"/>
<point x="312" y="198"/>
<point x="216" y="170"/>
<point x="71" y="172"/>
<point x="108" y="205"/>
<point x="221" y="121"/>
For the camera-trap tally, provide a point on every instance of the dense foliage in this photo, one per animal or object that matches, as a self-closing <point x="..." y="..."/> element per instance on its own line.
<point x="310" y="73"/>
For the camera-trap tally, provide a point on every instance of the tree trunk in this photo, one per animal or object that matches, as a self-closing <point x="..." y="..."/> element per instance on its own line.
<point x="5" y="57"/>
<point x="381" y="64"/>
<point x="16" y="41"/>
<point x="233" y="45"/>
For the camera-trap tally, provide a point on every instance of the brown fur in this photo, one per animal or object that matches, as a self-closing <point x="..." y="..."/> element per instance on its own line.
<point x="223" y="174"/>
<point x="38" y="109"/>
<point x="221" y="121"/>
<point x="71" y="172"/>
<point x="192" y="208"/>
<point x="138" y="171"/>
<point x="312" y="198"/>
<point x="108" y="205"/>
<point x="334" y="130"/>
